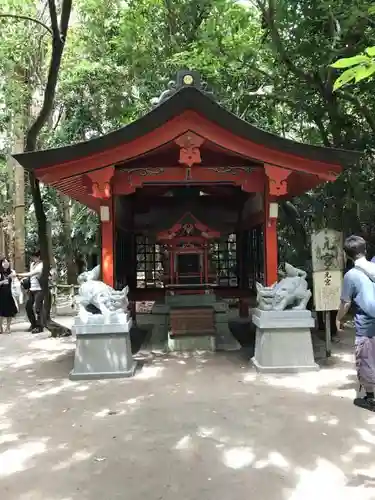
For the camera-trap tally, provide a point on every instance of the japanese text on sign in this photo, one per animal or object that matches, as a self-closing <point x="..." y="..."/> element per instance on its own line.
<point x="327" y="290"/>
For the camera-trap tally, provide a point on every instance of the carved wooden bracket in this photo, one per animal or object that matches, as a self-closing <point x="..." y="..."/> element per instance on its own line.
<point x="277" y="178"/>
<point x="189" y="148"/>
<point x="100" y="181"/>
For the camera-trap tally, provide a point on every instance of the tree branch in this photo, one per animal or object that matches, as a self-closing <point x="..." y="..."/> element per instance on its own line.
<point x="362" y="109"/>
<point x="200" y="16"/>
<point x="53" y="17"/>
<point x="171" y="21"/>
<point x="27" y="18"/>
<point x="323" y="133"/>
<point x="54" y="67"/>
<point x="268" y="14"/>
<point x="61" y="112"/>
<point x="64" y="20"/>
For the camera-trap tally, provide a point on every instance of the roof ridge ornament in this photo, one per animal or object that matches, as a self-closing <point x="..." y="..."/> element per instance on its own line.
<point x="184" y="78"/>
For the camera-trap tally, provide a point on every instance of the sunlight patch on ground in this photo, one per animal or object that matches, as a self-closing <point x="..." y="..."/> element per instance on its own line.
<point x="366" y="476"/>
<point x="103" y="413"/>
<point x="5" y="425"/>
<point x="132" y="401"/>
<point x="81" y="387"/>
<point x="185" y="443"/>
<point x="250" y="377"/>
<point x="213" y="434"/>
<point x="345" y="394"/>
<point x="366" y="435"/>
<point x="15" y="459"/>
<point x="65" y="384"/>
<point x="37" y="495"/>
<point x="327" y="482"/>
<point x="326" y="419"/>
<point x="53" y="345"/>
<point x="8" y="438"/>
<point x="310" y="382"/>
<point x="27" y="359"/>
<point x="333" y="421"/>
<point x="205" y="432"/>
<point x="238" y="458"/>
<point x="274" y="459"/>
<point x="149" y="372"/>
<point x="77" y="457"/>
<point x="345" y="357"/>
<point x="130" y="405"/>
<point x="4" y="408"/>
<point x="354" y="451"/>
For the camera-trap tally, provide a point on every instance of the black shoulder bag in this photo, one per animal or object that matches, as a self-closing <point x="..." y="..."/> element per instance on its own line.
<point x="26" y="283"/>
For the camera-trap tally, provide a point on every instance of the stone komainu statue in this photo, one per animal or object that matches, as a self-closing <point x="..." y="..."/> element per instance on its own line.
<point x="95" y="297"/>
<point x="291" y="292"/>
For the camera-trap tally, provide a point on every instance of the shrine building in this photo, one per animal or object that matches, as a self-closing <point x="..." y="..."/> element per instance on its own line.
<point x="187" y="197"/>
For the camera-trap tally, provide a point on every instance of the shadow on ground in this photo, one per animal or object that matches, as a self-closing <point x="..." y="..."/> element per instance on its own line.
<point x="203" y="426"/>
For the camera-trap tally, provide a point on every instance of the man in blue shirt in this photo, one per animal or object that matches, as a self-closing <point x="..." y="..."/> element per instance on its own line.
<point x="359" y="290"/>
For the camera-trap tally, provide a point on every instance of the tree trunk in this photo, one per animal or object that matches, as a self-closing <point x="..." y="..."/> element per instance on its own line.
<point x="58" y="42"/>
<point x="19" y="207"/>
<point x="2" y="239"/>
<point x="9" y="237"/>
<point x="68" y="246"/>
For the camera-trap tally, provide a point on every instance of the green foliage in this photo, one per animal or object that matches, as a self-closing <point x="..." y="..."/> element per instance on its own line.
<point x="360" y="67"/>
<point x="275" y="64"/>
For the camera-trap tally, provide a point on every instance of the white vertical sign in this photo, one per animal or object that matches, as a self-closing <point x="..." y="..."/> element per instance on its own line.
<point x="328" y="263"/>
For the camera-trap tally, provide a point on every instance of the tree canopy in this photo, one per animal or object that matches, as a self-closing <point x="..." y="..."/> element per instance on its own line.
<point x="276" y="63"/>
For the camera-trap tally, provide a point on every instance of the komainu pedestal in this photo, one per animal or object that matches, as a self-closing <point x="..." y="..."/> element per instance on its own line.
<point x="103" y="350"/>
<point x="283" y="337"/>
<point x="102" y="328"/>
<point x="283" y="341"/>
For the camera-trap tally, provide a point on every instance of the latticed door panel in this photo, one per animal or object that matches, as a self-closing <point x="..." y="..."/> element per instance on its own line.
<point x="149" y="266"/>
<point x="223" y="261"/>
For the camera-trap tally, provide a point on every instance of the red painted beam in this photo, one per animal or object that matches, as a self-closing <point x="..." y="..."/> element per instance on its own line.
<point x="170" y="131"/>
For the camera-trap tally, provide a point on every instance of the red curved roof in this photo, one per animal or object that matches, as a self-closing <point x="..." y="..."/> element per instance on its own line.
<point x="188" y="109"/>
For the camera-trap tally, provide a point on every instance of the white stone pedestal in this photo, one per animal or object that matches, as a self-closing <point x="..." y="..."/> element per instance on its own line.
<point x="283" y="341"/>
<point x="103" y="348"/>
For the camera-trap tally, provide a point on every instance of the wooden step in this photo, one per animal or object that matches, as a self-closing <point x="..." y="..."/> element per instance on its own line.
<point x="192" y="321"/>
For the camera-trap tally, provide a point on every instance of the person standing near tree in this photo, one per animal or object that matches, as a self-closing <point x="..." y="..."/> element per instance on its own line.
<point x="8" y="304"/>
<point x="359" y="289"/>
<point x="35" y="294"/>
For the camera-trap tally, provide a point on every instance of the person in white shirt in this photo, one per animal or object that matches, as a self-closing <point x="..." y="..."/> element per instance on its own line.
<point x="366" y="266"/>
<point x="35" y="294"/>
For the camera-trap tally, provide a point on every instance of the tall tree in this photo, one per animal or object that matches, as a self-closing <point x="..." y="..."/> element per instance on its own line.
<point x="58" y="38"/>
<point x="58" y="31"/>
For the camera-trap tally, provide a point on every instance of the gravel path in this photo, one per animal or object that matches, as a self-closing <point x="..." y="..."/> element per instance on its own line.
<point x="204" y="427"/>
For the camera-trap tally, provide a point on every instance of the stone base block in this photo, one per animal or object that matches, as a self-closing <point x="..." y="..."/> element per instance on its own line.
<point x="224" y="339"/>
<point x="183" y="344"/>
<point x="283" y="341"/>
<point x="102" y="352"/>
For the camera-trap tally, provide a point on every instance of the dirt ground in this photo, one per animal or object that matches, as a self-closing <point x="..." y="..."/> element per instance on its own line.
<point x="205" y="427"/>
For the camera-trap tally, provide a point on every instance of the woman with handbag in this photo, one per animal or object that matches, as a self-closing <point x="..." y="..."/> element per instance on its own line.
<point x="8" y="304"/>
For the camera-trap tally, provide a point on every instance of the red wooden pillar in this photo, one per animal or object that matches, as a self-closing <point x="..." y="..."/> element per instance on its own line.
<point x="101" y="188"/>
<point x="107" y="229"/>
<point x="275" y="187"/>
<point x="270" y="250"/>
